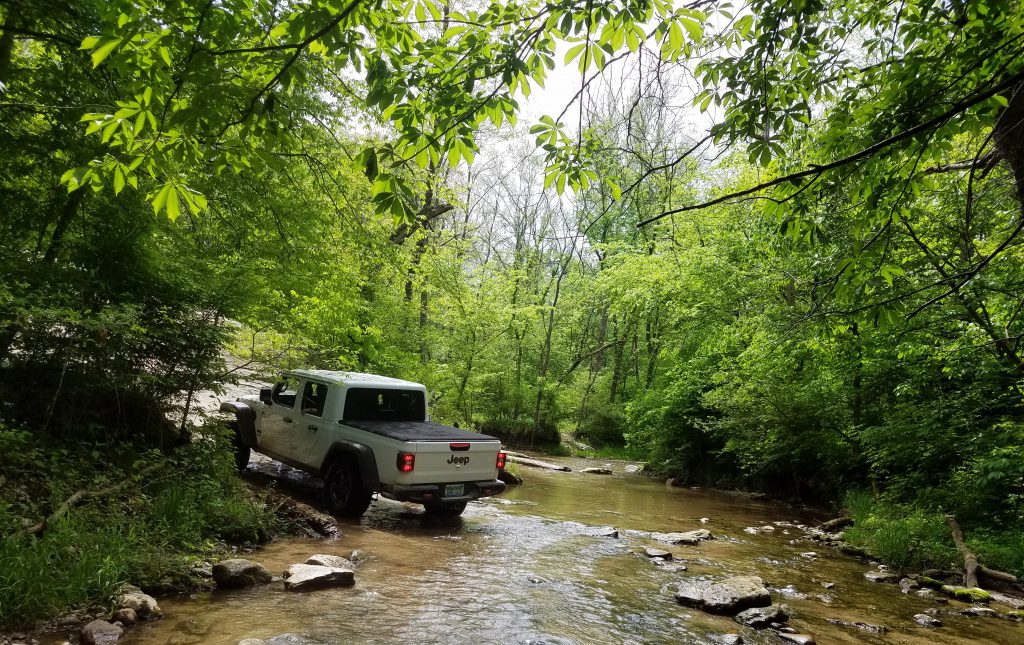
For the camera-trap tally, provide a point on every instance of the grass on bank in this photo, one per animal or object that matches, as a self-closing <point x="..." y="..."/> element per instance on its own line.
<point x="188" y="505"/>
<point x="913" y="538"/>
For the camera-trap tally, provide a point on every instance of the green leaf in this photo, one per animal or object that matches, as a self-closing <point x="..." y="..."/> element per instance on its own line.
<point x="161" y="198"/>
<point x="574" y="52"/>
<point x="100" y="54"/>
<point x="118" y="181"/>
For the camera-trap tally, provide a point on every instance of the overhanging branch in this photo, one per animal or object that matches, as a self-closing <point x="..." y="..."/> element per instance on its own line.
<point x="816" y="170"/>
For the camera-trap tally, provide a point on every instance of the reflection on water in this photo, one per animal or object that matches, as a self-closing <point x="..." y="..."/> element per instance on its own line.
<point x="534" y="565"/>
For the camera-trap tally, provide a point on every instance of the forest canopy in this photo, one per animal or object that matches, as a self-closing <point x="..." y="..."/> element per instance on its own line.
<point x="771" y="245"/>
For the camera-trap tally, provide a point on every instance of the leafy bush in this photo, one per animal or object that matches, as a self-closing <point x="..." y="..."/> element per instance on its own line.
<point x="906" y="538"/>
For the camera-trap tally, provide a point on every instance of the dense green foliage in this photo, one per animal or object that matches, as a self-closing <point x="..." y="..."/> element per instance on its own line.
<point x="176" y="510"/>
<point x="772" y="245"/>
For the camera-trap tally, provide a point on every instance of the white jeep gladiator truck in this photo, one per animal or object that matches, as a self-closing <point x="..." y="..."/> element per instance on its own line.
<point x="366" y="434"/>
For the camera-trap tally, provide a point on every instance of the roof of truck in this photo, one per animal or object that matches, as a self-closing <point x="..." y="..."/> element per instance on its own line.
<point x="353" y="378"/>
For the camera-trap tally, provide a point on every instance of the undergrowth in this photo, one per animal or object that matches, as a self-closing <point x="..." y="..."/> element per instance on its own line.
<point x="912" y="538"/>
<point x="175" y="509"/>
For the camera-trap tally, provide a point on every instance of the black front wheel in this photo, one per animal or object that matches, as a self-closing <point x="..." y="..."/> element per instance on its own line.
<point x="445" y="509"/>
<point x="241" y="451"/>
<point x="344" y="494"/>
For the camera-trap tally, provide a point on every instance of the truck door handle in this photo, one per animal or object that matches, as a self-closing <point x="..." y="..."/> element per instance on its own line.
<point x="313" y="428"/>
<point x="287" y="419"/>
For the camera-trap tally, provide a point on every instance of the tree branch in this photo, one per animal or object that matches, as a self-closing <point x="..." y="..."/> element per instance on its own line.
<point x="815" y="170"/>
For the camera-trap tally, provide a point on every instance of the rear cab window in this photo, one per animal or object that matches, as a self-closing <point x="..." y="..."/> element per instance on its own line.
<point x="382" y="404"/>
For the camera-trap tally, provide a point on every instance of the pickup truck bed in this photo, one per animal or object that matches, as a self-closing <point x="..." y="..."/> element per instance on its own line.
<point x="417" y="431"/>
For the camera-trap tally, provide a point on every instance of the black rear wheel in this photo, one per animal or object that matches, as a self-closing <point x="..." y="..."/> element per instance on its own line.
<point x="344" y="494"/>
<point x="445" y="509"/>
<point x="241" y="451"/>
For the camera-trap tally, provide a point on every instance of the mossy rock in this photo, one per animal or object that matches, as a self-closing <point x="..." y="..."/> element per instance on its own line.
<point x="930" y="582"/>
<point x="966" y="594"/>
<point x="1016" y="614"/>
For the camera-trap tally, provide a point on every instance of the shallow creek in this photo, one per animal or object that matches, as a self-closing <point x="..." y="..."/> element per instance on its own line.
<point x="531" y="566"/>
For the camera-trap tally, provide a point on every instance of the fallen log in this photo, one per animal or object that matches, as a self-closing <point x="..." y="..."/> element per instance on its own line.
<point x="77" y="498"/>
<point x="970" y="560"/>
<point x="998" y="576"/>
<point x="537" y="463"/>
<point x="836" y="524"/>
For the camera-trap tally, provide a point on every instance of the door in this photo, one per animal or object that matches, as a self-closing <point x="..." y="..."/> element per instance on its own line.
<point x="310" y="426"/>
<point x="279" y="417"/>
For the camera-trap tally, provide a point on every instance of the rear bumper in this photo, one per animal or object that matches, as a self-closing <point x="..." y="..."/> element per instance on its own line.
<point x="430" y="493"/>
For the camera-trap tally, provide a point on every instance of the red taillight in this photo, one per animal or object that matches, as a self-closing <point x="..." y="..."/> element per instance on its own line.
<point x="406" y="462"/>
<point x="501" y="461"/>
<point x="459" y="446"/>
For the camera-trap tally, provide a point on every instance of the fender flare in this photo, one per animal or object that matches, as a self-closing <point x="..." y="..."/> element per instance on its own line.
<point x="364" y="458"/>
<point x="246" y="418"/>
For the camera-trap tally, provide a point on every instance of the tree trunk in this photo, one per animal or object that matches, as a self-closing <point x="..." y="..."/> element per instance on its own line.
<point x="67" y="213"/>
<point x="653" y="348"/>
<point x="1009" y="138"/>
<point x="424" y="315"/>
<point x="970" y="560"/>
<point x="858" y="369"/>
<point x="616" y="364"/>
<point x="6" y="50"/>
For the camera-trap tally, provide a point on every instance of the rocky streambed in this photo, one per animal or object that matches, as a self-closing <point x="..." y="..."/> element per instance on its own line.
<point x="578" y="557"/>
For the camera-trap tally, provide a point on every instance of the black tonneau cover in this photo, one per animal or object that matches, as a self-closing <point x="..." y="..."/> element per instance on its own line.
<point x="417" y="431"/>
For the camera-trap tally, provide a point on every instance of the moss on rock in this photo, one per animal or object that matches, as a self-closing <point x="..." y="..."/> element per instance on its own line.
<point x="966" y="594"/>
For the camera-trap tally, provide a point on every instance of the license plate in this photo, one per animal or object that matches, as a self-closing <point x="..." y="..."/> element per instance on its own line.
<point x="454" y="490"/>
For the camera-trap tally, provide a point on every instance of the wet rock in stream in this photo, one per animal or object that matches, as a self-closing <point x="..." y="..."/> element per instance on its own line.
<point x="281" y="639"/>
<point x="126" y="616"/>
<point x="307" y="577"/>
<point x="857" y="624"/>
<point x="687" y="537"/>
<point x="882" y="576"/>
<point x="729" y="596"/>
<point x="927" y="621"/>
<point x="239" y="572"/>
<point x="597" y="471"/>
<point x="799" y="639"/>
<point x="651" y="552"/>
<point x="760" y="617"/>
<point x="100" y="632"/>
<point x="327" y="560"/>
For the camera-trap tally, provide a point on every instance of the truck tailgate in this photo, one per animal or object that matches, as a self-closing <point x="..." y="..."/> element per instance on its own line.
<point x="439" y="462"/>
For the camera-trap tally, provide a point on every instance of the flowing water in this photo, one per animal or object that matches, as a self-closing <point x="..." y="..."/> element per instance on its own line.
<point x="533" y="566"/>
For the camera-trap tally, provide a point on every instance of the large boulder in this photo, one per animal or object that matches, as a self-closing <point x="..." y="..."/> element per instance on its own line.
<point x="729" y="596"/>
<point x="759" y="617"/>
<point x="100" y="632"/>
<point x="143" y="605"/>
<point x="687" y="537"/>
<point x="325" y="560"/>
<point x="239" y="572"/>
<point x="307" y="577"/>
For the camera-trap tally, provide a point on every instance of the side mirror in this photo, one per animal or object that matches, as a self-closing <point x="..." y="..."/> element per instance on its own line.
<point x="265" y="394"/>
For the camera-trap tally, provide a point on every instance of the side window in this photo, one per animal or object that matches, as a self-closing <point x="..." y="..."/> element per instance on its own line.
<point x="314" y="395"/>
<point x="285" y="392"/>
